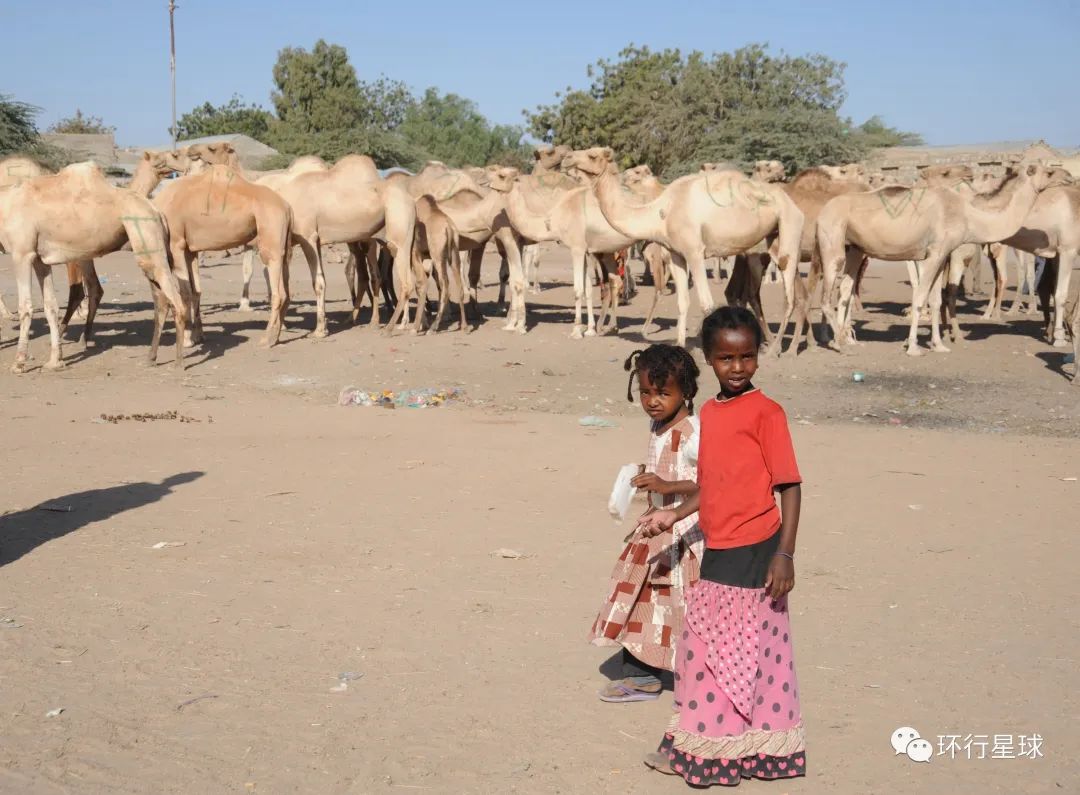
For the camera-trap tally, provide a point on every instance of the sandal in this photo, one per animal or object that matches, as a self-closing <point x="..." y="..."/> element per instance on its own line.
<point x="660" y="763"/>
<point x="622" y="692"/>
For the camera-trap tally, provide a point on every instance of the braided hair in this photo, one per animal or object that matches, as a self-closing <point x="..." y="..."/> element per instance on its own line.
<point x="729" y="317"/>
<point x="661" y="362"/>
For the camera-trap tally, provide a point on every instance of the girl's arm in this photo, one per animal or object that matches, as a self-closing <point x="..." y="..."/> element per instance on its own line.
<point x="656" y="522"/>
<point x="651" y="482"/>
<point x="781" y="576"/>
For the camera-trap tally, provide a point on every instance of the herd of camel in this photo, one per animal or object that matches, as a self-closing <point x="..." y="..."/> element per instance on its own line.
<point x="406" y="229"/>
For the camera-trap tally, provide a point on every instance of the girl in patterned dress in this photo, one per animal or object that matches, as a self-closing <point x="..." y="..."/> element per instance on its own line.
<point x="644" y="609"/>
<point x="736" y="700"/>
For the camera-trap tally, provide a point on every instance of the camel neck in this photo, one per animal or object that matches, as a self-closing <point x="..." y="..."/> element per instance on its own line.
<point x="145" y="180"/>
<point x="636" y="222"/>
<point x="995" y="218"/>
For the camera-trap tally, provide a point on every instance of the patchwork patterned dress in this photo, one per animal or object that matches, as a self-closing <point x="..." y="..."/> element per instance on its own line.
<point x="644" y="609"/>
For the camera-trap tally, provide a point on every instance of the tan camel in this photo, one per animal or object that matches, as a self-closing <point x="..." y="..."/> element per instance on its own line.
<point x="347" y="203"/>
<point x="696" y="216"/>
<point x="77" y="215"/>
<point x="436" y="242"/>
<point x="480" y="217"/>
<point x="554" y="207"/>
<point x="918" y="223"/>
<point x="769" y="171"/>
<point x="641" y="181"/>
<point x="214" y="210"/>
<point x="547" y="160"/>
<point x="810" y="190"/>
<point x="14" y="171"/>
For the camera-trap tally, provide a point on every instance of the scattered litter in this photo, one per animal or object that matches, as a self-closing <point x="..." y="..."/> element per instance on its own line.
<point x="546" y="371"/>
<point x="596" y="422"/>
<point x="412" y="464"/>
<point x="503" y="552"/>
<point x="1069" y="480"/>
<point x="340" y="688"/>
<point x="1070" y="358"/>
<point x="895" y="421"/>
<point x="804" y="422"/>
<point x="873" y="687"/>
<point x="349" y="676"/>
<point x="161" y="415"/>
<point x="9" y="623"/>
<point x="858" y="377"/>
<point x="53" y="713"/>
<point x="915" y="507"/>
<point x="166" y="544"/>
<point x="512" y="364"/>
<point x="408" y="398"/>
<point x="56" y="508"/>
<point x="191" y="701"/>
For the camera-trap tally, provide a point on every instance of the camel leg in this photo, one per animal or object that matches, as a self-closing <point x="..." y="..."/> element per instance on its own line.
<point x="5" y="313"/>
<point x="441" y="270"/>
<point x="459" y="281"/>
<point x="420" y="281"/>
<point x="94" y="292"/>
<point x="516" y="317"/>
<point x="793" y="302"/>
<point x="929" y="277"/>
<point x="1066" y="261"/>
<point x="313" y="254"/>
<point x="579" y="265"/>
<point x="1038" y="265"/>
<point x="195" y="336"/>
<point x="757" y="265"/>
<point x="275" y="262"/>
<point x="504" y="276"/>
<point x="610" y="313"/>
<point x="161" y="311"/>
<point x="76" y="294"/>
<point x="24" y="269"/>
<point x="530" y="261"/>
<point x="1001" y="275"/>
<point x="476" y="258"/>
<point x="1021" y="280"/>
<point x="1075" y="328"/>
<point x="696" y="271"/>
<point x="952" y="288"/>
<point x="405" y="276"/>
<point x="43" y="273"/>
<point x="936" y="343"/>
<point x="681" y="277"/>
<point x="247" y="269"/>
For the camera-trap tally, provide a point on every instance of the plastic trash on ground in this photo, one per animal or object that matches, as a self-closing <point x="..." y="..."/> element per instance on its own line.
<point x="596" y="422"/>
<point x="622" y="493"/>
<point x="407" y="398"/>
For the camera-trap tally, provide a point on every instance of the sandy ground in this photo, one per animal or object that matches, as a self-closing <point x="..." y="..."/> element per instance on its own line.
<point x="935" y="570"/>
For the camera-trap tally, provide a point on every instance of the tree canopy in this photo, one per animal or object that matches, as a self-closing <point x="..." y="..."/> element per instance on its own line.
<point x="675" y="111"/>
<point x="19" y="133"/>
<point x="81" y="124"/>
<point x="235" y="116"/>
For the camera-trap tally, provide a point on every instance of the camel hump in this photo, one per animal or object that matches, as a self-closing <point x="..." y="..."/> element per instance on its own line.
<point x="359" y="166"/>
<point x="811" y="178"/>
<point x="85" y="170"/>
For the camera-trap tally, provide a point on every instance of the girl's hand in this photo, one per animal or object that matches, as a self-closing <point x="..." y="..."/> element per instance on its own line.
<point x="651" y="482"/>
<point x="654" y="523"/>
<point x="781" y="577"/>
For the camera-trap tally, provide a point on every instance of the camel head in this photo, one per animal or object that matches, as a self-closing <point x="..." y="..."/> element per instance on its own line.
<point x="501" y="178"/>
<point x="944" y="176"/>
<point x="849" y="172"/>
<point x="637" y="174"/>
<point x="550" y="157"/>
<point x="1043" y="177"/>
<point x="165" y="163"/>
<point x="591" y="162"/>
<point x="722" y="165"/>
<point x="769" y="171"/>
<point x="987" y="181"/>
<point x="213" y="154"/>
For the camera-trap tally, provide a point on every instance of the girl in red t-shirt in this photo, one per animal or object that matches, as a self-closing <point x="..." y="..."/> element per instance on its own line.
<point x="736" y="695"/>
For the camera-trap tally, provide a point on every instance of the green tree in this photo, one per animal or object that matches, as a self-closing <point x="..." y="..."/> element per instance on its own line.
<point x="235" y="116"/>
<point x="675" y="111"/>
<point x="80" y="124"/>
<point x="875" y="134"/>
<point x="451" y="128"/>
<point x="17" y="129"/>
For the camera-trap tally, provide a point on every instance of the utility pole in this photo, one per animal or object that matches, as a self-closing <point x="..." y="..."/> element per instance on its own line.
<point x="172" y="67"/>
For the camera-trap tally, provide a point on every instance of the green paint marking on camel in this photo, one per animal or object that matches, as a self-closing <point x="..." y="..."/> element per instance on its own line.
<point x="146" y="250"/>
<point x="902" y="202"/>
<point x="731" y="193"/>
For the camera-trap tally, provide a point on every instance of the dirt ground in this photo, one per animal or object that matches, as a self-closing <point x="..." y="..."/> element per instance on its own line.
<point x="935" y="575"/>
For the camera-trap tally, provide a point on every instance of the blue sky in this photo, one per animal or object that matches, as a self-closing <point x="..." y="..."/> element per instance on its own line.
<point x="957" y="72"/>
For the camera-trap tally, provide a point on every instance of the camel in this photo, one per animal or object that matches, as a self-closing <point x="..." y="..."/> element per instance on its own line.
<point x="217" y="209"/>
<point x="548" y="159"/>
<point x="14" y="171"/>
<point x="769" y="171"/>
<point x="76" y="215"/>
<point x="918" y="223"/>
<point x="554" y="207"/>
<point x="347" y="203"/>
<point x="437" y="241"/>
<point x="1052" y="229"/>
<point x="657" y="259"/>
<point x="480" y="217"/>
<point x="700" y="215"/>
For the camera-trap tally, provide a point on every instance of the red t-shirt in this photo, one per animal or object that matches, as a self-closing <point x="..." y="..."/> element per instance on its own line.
<point x="745" y="452"/>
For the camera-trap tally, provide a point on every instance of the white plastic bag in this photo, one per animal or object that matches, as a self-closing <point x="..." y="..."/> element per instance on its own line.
<point x="622" y="492"/>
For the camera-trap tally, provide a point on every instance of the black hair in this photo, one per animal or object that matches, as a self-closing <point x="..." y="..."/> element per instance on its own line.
<point x="661" y="362"/>
<point x="729" y="317"/>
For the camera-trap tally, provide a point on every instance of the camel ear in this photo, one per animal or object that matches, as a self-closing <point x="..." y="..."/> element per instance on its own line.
<point x="146" y="155"/>
<point x="609" y="153"/>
